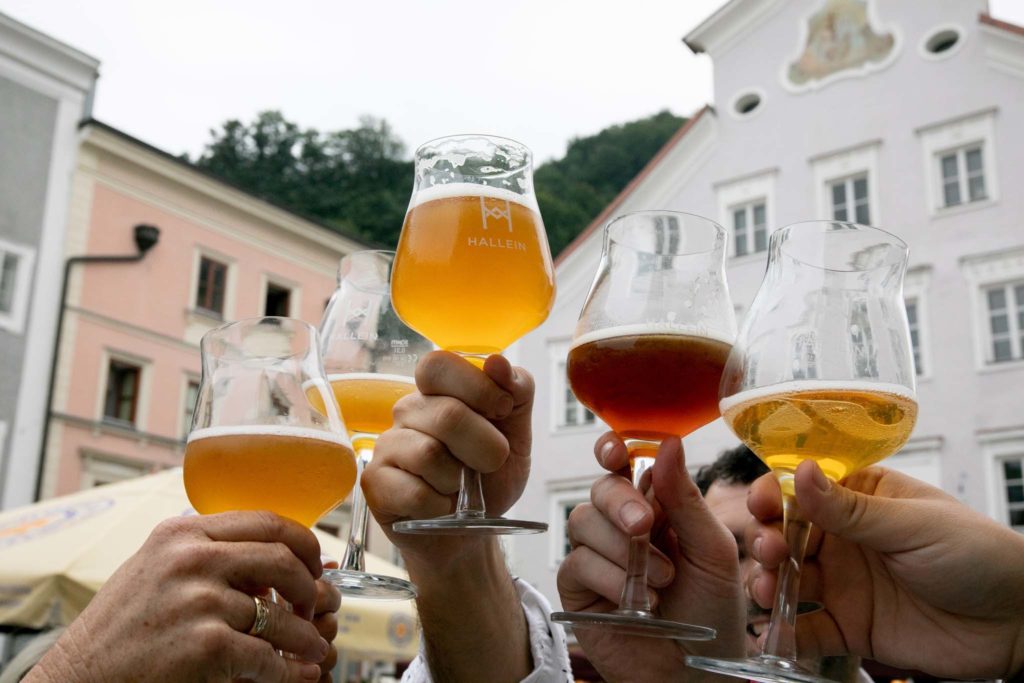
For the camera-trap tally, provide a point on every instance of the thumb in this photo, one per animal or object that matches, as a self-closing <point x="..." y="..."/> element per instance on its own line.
<point x="697" y="529"/>
<point x="875" y="522"/>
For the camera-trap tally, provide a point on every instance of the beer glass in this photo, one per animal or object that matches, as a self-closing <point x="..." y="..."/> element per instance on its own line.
<point x="822" y="370"/>
<point x="647" y="358"/>
<point x="259" y="441"/>
<point x="370" y="358"/>
<point x="473" y="274"/>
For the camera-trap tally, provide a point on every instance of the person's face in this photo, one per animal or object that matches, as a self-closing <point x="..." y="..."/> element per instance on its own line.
<point x="728" y="502"/>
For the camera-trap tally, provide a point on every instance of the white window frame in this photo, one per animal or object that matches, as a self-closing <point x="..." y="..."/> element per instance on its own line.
<point x="14" y="321"/>
<point x="109" y="468"/>
<point x="849" y="184"/>
<point x="915" y="287"/>
<point x="997" y="447"/>
<point x="976" y="129"/>
<point x="742" y="191"/>
<point x="959" y="155"/>
<point x="918" y="452"/>
<point x="981" y="272"/>
<point x="750" y="227"/>
<point x="183" y="424"/>
<point x="560" y="495"/>
<point x="558" y="358"/>
<point x="294" y="293"/>
<point x="141" y="423"/>
<point x="845" y="164"/>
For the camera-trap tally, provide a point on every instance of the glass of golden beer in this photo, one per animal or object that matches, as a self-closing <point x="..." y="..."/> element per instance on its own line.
<point x="473" y="274"/>
<point x="266" y="433"/>
<point x="822" y="370"/>
<point x="370" y="357"/>
<point x="647" y="358"/>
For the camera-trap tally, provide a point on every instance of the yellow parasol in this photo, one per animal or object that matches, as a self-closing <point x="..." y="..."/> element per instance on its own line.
<point x="56" y="554"/>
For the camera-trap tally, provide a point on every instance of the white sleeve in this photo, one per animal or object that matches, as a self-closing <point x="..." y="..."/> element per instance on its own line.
<point x="547" y="643"/>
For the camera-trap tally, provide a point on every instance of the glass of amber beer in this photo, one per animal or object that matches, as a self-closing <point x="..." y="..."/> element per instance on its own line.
<point x="822" y="370"/>
<point x="473" y="274"/>
<point x="370" y="357"/>
<point x="259" y="440"/>
<point x="647" y="358"/>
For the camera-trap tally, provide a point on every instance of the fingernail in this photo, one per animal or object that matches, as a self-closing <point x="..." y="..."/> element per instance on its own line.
<point x="660" y="569"/>
<point x="606" y="450"/>
<point x="310" y="672"/>
<point x="504" y="407"/>
<point x="755" y="549"/>
<point x="820" y="480"/>
<point x="631" y="514"/>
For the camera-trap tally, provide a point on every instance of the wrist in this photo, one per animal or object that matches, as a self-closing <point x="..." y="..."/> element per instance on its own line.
<point x="470" y="565"/>
<point x="66" y="661"/>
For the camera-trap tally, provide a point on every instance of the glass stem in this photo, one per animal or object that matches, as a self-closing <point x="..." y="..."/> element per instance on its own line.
<point x="781" y="638"/>
<point x="353" y="559"/>
<point x="635" y="599"/>
<point x="471" y="496"/>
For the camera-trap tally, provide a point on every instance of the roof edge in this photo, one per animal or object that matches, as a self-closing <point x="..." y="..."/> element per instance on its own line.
<point x="989" y="20"/>
<point x="631" y="186"/>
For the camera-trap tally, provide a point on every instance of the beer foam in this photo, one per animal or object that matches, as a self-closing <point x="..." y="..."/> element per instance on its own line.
<point x="374" y="376"/>
<point x="647" y="329"/>
<point x="809" y="385"/>
<point x="453" y="190"/>
<point x="270" y="430"/>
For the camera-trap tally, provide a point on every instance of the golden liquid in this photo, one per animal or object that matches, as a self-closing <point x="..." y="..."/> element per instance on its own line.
<point x="366" y="402"/>
<point x="472" y="273"/>
<point x="298" y="473"/>
<point x="843" y="429"/>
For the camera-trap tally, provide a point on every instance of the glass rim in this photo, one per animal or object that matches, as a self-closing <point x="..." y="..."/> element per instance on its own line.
<point x="497" y="140"/>
<point x="384" y="287"/>
<point x="892" y="239"/>
<point x="227" y="327"/>
<point x="720" y="232"/>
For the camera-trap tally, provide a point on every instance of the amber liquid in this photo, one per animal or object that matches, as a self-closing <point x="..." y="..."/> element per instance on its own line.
<point x="472" y="272"/>
<point x="366" y="402"/>
<point x="297" y="473"/>
<point x="649" y="386"/>
<point x="843" y="428"/>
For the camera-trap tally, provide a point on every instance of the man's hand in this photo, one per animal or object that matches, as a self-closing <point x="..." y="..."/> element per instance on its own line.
<point x="693" y="568"/>
<point x="180" y="609"/>
<point x="908" y="575"/>
<point x="473" y="623"/>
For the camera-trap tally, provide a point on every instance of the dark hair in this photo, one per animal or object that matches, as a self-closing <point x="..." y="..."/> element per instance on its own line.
<point x="737" y="465"/>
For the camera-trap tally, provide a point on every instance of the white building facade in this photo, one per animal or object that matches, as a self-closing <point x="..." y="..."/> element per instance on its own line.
<point x="897" y="113"/>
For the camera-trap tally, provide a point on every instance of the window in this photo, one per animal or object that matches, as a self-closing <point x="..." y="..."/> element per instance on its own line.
<point x="278" y="300"/>
<point x="750" y="228"/>
<point x="98" y="470"/>
<point x="959" y="156"/>
<point x="15" y="275"/>
<point x="963" y="176"/>
<point x="213" y="277"/>
<point x="1005" y="322"/>
<point x="915" y="335"/>
<point x="1012" y="469"/>
<point x="563" y="503"/>
<point x="122" y="392"/>
<point x="572" y="412"/>
<point x="191" y="395"/>
<point x="850" y="200"/>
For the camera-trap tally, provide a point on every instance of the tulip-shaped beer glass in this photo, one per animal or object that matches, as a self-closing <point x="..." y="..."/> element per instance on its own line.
<point x="370" y="358"/>
<point x="821" y="370"/>
<point x="473" y="274"/>
<point x="647" y="358"/>
<point x="266" y="432"/>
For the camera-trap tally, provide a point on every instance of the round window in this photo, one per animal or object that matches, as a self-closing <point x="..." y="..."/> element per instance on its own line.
<point x="942" y="41"/>
<point x="747" y="103"/>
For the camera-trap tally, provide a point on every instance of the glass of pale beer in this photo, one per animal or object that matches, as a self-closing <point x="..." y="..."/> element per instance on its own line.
<point x="370" y="357"/>
<point x="822" y="370"/>
<point x="647" y="358"/>
<point x="266" y="433"/>
<point x="473" y="274"/>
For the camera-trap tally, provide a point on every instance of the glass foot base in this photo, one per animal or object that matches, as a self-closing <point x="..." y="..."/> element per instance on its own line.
<point x="373" y="586"/>
<point x="633" y="625"/>
<point x="764" y="668"/>
<point x="451" y="525"/>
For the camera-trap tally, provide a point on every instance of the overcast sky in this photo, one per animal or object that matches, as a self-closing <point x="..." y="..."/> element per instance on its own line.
<point x="540" y="71"/>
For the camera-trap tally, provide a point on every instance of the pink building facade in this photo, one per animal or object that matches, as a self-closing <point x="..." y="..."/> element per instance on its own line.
<point x="128" y="364"/>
